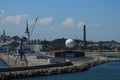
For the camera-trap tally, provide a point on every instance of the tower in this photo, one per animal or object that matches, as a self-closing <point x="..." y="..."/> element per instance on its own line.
<point x="27" y="34"/>
<point x="84" y="36"/>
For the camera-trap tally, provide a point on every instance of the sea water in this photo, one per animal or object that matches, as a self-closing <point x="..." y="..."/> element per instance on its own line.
<point x="2" y="64"/>
<point x="107" y="71"/>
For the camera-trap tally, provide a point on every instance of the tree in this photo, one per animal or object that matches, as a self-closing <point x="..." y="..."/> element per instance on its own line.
<point x="13" y="45"/>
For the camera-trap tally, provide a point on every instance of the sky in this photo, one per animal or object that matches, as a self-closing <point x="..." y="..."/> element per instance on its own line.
<point x="62" y="18"/>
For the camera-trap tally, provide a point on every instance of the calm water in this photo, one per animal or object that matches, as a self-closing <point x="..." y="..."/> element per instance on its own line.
<point x="107" y="71"/>
<point x="2" y="64"/>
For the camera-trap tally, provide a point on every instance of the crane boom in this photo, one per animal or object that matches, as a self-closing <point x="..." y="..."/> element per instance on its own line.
<point x="33" y="27"/>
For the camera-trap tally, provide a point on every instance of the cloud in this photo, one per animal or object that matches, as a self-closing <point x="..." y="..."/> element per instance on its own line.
<point x="2" y="12"/>
<point x="80" y="24"/>
<point x="94" y="25"/>
<point x="46" y="21"/>
<point x="67" y="22"/>
<point x="14" y="19"/>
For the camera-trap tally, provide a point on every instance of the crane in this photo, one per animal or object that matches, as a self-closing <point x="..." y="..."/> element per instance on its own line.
<point x="21" y="59"/>
<point x="33" y="27"/>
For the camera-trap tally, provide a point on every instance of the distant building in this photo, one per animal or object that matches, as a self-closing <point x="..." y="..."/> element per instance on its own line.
<point x="35" y="47"/>
<point x="4" y="39"/>
<point x="67" y="53"/>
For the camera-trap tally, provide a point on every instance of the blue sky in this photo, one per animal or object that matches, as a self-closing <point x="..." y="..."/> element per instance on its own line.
<point x="62" y="18"/>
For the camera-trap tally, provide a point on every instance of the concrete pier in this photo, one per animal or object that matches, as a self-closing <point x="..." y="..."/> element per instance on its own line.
<point x="32" y="61"/>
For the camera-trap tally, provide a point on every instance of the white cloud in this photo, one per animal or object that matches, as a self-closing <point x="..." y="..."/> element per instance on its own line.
<point x="46" y="21"/>
<point x="67" y="22"/>
<point x="94" y="25"/>
<point x="13" y="19"/>
<point x="2" y="12"/>
<point x="80" y="24"/>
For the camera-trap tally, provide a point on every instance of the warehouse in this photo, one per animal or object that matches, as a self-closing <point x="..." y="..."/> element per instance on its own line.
<point x="67" y="53"/>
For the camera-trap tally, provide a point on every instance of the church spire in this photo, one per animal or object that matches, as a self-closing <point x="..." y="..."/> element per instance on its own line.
<point x="4" y="32"/>
<point x="27" y="31"/>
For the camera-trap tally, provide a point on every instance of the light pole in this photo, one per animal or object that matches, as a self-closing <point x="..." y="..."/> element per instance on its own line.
<point x="8" y="51"/>
<point x="8" y="54"/>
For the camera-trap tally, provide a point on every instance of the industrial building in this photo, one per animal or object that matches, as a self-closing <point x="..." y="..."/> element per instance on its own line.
<point x="66" y="53"/>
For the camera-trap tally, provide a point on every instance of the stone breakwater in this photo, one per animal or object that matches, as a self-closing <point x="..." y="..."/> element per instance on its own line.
<point x="53" y="70"/>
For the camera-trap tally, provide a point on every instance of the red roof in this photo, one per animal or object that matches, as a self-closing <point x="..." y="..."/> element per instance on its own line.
<point x="58" y="51"/>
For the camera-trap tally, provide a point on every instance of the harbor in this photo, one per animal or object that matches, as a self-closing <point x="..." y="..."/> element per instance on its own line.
<point x="75" y="65"/>
<point x="59" y="40"/>
<point x="33" y="58"/>
<point x="25" y="59"/>
<point x="106" y="71"/>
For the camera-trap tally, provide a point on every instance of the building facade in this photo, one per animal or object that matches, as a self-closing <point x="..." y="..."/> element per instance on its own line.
<point x="67" y="53"/>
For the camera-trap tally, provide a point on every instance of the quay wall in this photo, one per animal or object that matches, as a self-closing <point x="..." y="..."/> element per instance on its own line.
<point x="52" y="70"/>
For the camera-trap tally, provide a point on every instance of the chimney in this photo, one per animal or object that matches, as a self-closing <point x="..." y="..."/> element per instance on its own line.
<point x="84" y="36"/>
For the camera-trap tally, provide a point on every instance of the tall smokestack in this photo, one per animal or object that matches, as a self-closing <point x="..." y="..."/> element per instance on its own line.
<point x="84" y="35"/>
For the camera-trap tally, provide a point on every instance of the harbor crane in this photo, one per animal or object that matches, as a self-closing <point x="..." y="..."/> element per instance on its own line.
<point x="22" y="58"/>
